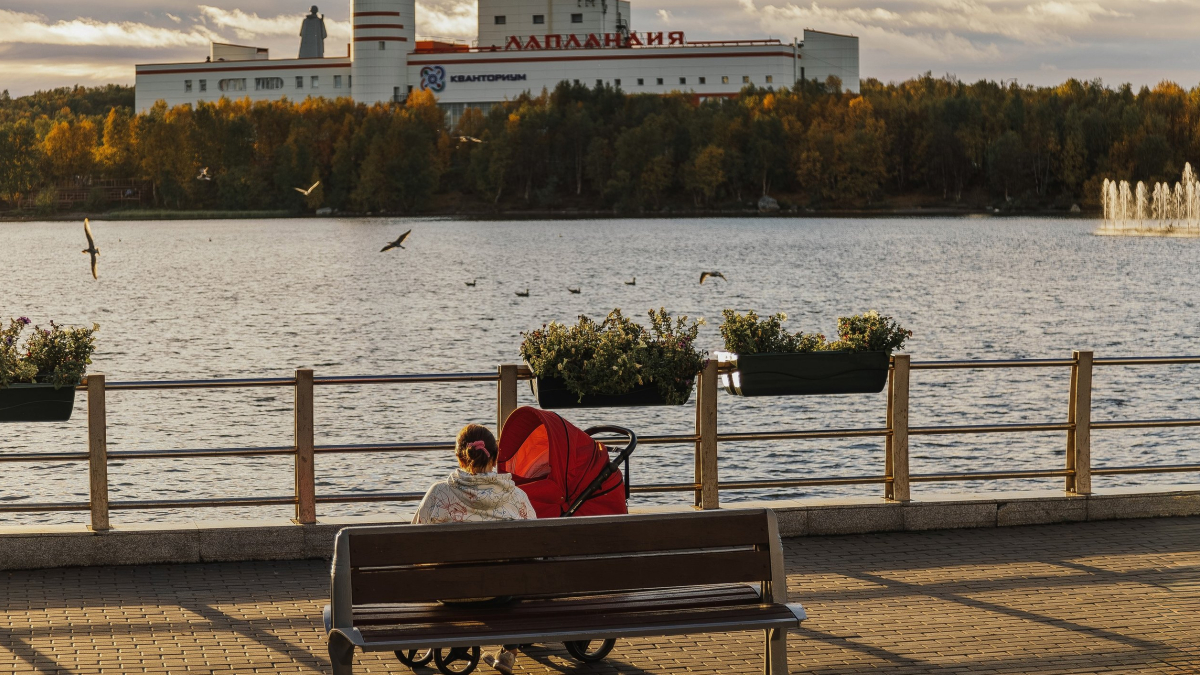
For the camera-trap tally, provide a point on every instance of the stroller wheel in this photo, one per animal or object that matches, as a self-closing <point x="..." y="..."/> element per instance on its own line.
<point x="588" y="651"/>
<point x="415" y="658"/>
<point x="456" y="661"/>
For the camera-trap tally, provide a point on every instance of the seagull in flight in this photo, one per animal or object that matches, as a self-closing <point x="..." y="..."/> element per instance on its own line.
<point x="91" y="249"/>
<point x="397" y="244"/>
<point x="631" y="282"/>
<point x="572" y="290"/>
<point x="204" y="174"/>
<point x="468" y="139"/>
<point x="309" y="190"/>
<point x="715" y="275"/>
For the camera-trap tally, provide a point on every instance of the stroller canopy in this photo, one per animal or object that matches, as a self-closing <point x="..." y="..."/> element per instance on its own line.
<point x="554" y="461"/>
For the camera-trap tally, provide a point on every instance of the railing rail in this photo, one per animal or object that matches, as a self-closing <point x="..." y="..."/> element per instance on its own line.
<point x="1077" y="471"/>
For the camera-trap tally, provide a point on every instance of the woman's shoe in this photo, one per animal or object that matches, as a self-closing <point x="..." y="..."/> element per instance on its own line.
<point x="503" y="662"/>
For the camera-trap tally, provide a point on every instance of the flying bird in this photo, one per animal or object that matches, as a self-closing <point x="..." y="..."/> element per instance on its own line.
<point x="471" y="283"/>
<point x="572" y="290"/>
<point x="715" y="275"/>
<point x="204" y="174"/>
<point x="397" y="243"/>
<point x="309" y="190"/>
<point x="468" y="139"/>
<point x="91" y="249"/>
<point x="523" y="295"/>
<point x="631" y="282"/>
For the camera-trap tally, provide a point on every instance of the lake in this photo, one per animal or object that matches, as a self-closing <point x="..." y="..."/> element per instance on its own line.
<point x="248" y="298"/>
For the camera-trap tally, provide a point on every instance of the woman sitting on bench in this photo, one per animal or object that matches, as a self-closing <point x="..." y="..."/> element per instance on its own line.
<point x="475" y="492"/>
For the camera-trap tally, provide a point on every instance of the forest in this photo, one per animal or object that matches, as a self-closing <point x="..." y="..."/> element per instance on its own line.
<point x="927" y="142"/>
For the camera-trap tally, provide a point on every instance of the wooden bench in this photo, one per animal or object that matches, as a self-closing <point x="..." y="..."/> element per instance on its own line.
<point x="578" y="579"/>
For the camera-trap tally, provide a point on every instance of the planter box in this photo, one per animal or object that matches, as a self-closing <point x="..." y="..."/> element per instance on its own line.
<point x="36" y="403"/>
<point x="552" y="394"/>
<point x="807" y="374"/>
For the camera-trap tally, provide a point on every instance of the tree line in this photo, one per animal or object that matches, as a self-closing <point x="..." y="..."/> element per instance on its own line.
<point x="926" y="141"/>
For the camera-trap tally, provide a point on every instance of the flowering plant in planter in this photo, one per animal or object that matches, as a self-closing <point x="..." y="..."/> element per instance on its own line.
<point x="56" y="355"/>
<point x="770" y="361"/>
<point x="868" y="332"/>
<point x="617" y="355"/>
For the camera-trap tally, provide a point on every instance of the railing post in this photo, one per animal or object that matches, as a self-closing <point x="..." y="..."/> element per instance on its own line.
<point x="708" y="496"/>
<point x="506" y="395"/>
<point x="97" y="452"/>
<point x="1079" y="437"/>
<point x="306" y="488"/>
<point x="897" y="421"/>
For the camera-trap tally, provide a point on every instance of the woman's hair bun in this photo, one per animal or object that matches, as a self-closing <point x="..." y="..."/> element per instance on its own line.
<point x="476" y="447"/>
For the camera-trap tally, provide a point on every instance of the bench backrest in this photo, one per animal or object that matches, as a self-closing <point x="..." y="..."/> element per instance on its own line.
<point x="422" y="563"/>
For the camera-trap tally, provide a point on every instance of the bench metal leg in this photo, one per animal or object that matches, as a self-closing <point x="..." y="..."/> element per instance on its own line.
<point x="341" y="654"/>
<point x="776" y="651"/>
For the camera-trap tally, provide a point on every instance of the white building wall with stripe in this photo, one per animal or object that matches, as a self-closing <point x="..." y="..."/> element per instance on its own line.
<point x="384" y="34"/>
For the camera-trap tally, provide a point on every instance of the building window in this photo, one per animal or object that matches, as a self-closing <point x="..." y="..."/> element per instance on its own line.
<point x="599" y="83"/>
<point x="641" y="81"/>
<point x="660" y="80"/>
<point x="770" y="79"/>
<point x="299" y="81"/>
<point x="683" y="80"/>
<point x="539" y="18"/>
<point x="702" y="80"/>
<point x="501" y="20"/>
<point x="187" y="85"/>
<point x="802" y="72"/>
<point x="724" y="79"/>
<point x="337" y="81"/>
<point x="396" y="94"/>
<point x="232" y="84"/>
<point x="382" y="45"/>
<point x="314" y="82"/>
<point x="745" y="79"/>
<point x="203" y="85"/>
<point x="617" y="82"/>
<point x="576" y="18"/>
<point x="349" y="81"/>
<point x="261" y="83"/>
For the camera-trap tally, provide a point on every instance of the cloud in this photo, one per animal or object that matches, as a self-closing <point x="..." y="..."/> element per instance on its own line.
<point x="663" y="15"/>
<point x="173" y="17"/>
<point x="23" y="28"/>
<point x="448" y="18"/>
<point x="248" y="26"/>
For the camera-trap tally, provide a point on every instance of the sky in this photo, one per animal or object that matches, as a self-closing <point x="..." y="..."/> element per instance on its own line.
<point x="46" y="44"/>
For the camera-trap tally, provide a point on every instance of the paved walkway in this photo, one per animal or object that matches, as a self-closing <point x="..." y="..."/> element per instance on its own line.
<point x="1119" y="596"/>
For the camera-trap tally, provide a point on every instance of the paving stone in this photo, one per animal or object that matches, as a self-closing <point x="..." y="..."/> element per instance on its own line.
<point x="1115" y="596"/>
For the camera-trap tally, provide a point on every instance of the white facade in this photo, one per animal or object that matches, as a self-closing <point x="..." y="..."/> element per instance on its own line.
<point x="384" y="36"/>
<point x="539" y="45"/>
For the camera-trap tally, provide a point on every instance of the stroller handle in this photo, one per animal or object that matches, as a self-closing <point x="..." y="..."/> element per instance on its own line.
<point x="608" y="470"/>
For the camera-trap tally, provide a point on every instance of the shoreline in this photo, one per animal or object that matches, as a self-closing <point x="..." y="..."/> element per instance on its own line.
<point x="550" y="214"/>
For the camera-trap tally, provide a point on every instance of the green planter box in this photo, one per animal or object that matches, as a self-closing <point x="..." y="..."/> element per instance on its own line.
<point x="807" y="374"/>
<point x="552" y="394"/>
<point x="36" y="403"/>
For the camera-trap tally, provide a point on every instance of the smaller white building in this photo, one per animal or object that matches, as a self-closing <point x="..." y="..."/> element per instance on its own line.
<point x="523" y="45"/>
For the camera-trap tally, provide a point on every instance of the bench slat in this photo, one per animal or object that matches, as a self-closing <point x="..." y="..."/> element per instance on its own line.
<point x="478" y="542"/>
<point x="592" y="624"/>
<point x="558" y="576"/>
<point x="430" y="613"/>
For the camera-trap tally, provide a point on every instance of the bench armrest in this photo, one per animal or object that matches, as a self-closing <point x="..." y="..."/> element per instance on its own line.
<point x="797" y="609"/>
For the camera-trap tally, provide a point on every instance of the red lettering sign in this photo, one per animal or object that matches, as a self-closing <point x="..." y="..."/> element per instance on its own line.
<point x="593" y="41"/>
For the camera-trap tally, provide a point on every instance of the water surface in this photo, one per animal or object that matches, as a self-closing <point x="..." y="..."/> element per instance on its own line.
<point x="214" y="299"/>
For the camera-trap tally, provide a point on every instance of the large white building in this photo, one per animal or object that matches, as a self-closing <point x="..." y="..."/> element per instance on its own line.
<point x="523" y="45"/>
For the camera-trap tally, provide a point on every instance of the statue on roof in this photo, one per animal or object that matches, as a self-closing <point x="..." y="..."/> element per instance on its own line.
<point x="312" y="35"/>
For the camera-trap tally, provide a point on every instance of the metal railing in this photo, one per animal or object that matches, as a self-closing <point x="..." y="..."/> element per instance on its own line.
<point x="896" y="478"/>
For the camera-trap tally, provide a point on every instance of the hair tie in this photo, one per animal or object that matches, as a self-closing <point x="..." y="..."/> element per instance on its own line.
<point x="480" y="445"/>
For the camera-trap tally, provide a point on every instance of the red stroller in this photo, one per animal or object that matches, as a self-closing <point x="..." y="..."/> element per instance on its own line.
<point x="565" y="472"/>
